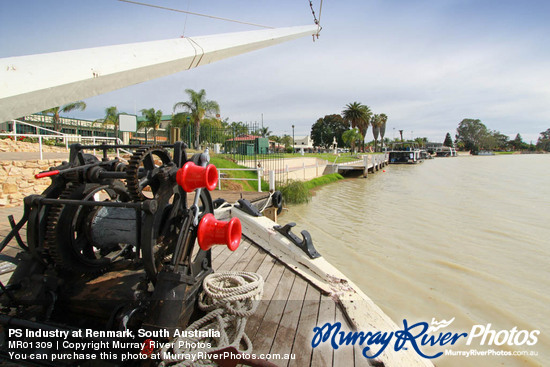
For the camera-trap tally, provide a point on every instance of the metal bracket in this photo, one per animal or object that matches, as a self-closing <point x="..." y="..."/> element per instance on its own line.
<point x="306" y="244"/>
<point x="247" y="207"/>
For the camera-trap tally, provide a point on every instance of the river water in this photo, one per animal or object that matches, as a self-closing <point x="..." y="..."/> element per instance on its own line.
<point x="465" y="238"/>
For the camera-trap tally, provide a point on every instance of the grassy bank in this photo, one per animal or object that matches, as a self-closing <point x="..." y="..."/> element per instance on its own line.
<point x="297" y="192"/>
<point x="237" y="185"/>
<point x="294" y="192"/>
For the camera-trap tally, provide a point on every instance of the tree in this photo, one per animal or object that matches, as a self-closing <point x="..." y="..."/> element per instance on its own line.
<point x="180" y="119"/>
<point x="286" y="140"/>
<point x="448" y="142"/>
<point x="472" y="134"/>
<point x="351" y="137"/>
<point x="152" y="119"/>
<point x="111" y="118"/>
<point x="376" y="123"/>
<point x="198" y="107"/>
<point x="326" y="129"/>
<point x="421" y="141"/>
<point x="383" y="120"/>
<point x="543" y="141"/>
<point x="80" y="105"/>
<point x="239" y="128"/>
<point x="358" y="115"/>
<point x="517" y="143"/>
<point x="494" y="140"/>
<point x="265" y="132"/>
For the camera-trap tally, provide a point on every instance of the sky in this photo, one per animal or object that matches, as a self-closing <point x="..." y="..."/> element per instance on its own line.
<point x="426" y="64"/>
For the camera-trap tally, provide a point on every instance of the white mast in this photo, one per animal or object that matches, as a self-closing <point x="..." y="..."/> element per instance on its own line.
<point x="29" y="84"/>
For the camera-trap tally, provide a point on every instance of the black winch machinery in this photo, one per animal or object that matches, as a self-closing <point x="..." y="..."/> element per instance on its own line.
<point x="113" y="245"/>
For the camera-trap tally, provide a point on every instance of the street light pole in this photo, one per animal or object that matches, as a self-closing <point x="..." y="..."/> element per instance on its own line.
<point x="293" y="143"/>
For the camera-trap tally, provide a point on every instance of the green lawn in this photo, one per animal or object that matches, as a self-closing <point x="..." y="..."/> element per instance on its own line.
<point x="221" y="162"/>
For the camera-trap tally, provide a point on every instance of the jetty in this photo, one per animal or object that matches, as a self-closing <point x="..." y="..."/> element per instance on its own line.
<point x="370" y="163"/>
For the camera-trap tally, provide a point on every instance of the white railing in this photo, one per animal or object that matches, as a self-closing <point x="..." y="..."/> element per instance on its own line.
<point x="258" y="171"/>
<point x="73" y="138"/>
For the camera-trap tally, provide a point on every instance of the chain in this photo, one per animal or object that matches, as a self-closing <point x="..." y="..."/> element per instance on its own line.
<point x="313" y="12"/>
<point x="315" y="20"/>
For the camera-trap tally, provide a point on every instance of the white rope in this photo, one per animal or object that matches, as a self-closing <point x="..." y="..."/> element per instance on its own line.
<point x="268" y="201"/>
<point x="229" y="298"/>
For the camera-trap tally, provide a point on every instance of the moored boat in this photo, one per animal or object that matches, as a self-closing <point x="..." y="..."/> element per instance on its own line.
<point x="405" y="153"/>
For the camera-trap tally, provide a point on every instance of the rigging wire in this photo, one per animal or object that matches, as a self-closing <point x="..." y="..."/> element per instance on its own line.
<point x="315" y="20"/>
<point x="197" y="14"/>
<point x="186" y="16"/>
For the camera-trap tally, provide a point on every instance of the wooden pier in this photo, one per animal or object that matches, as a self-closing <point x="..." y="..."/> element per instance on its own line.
<point x="370" y="163"/>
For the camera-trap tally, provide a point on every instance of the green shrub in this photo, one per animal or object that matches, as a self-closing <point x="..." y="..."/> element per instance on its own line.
<point x="298" y="192"/>
<point x="323" y="180"/>
<point x="295" y="192"/>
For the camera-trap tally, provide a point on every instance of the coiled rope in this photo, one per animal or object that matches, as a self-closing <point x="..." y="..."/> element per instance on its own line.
<point x="229" y="298"/>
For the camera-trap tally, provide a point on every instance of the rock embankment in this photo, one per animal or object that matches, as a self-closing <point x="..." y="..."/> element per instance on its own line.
<point x="17" y="180"/>
<point x="9" y="145"/>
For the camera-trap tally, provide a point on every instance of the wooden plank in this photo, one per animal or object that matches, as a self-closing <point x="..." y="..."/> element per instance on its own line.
<point x="304" y="332"/>
<point x="233" y="256"/>
<point x="216" y="251"/>
<point x="232" y="260"/>
<point x="322" y="354"/>
<point x="271" y="272"/>
<point x="343" y="356"/>
<point x="286" y="331"/>
<point x="242" y="263"/>
<point x="263" y="338"/>
<point x="257" y="260"/>
<point x="222" y="253"/>
<point x="266" y="268"/>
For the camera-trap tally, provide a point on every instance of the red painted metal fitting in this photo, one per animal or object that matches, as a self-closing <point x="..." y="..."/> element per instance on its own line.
<point x="216" y="232"/>
<point x="191" y="177"/>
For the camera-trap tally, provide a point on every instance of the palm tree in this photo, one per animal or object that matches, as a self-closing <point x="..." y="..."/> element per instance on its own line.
<point x="111" y="118"/>
<point x="376" y="123"/>
<point x="264" y="132"/>
<point x="383" y="120"/>
<point x="351" y="137"/>
<point x="152" y="119"/>
<point x="358" y="115"/>
<point x="79" y="105"/>
<point x="198" y="107"/>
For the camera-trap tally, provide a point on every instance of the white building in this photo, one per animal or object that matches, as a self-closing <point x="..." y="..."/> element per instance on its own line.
<point x="303" y="142"/>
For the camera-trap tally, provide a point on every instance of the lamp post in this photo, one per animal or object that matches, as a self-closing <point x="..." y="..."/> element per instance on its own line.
<point x="293" y="139"/>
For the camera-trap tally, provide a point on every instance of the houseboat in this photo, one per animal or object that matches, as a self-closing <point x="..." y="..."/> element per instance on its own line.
<point x="405" y="153"/>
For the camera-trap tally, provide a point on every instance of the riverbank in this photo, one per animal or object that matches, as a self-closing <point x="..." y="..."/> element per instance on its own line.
<point x="453" y="239"/>
<point x="297" y="192"/>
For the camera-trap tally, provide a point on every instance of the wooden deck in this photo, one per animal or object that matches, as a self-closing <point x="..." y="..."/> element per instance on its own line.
<point x="291" y="307"/>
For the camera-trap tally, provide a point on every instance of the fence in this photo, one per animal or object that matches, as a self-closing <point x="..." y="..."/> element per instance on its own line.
<point x="244" y="144"/>
<point x="55" y="135"/>
<point x="258" y="171"/>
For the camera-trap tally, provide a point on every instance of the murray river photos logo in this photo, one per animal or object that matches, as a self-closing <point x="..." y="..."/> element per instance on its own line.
<point x="419" y="335"/>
